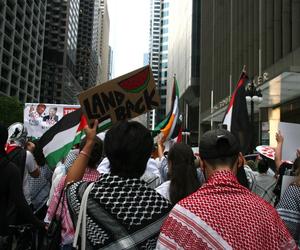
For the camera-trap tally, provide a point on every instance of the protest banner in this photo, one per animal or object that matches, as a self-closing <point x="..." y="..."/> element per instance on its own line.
<point x="122" y="98"/>
<point x="39" y="117"/>
<point x="291" y="134"/>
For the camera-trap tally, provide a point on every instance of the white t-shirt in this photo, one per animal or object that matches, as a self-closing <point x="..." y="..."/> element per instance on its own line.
<point x="164" y="190"/>
<point x="30" y="166"/>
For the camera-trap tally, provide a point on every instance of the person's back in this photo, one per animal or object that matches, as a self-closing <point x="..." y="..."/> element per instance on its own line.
<point x="9" y="179"/>
<point x="265" y="183"/>
<point x="123" y="212"/>
<point x="222" y="214"/>
<point x="13" y="207"/>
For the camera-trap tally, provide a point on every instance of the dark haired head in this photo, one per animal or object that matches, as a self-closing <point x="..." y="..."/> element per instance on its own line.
<point x="182" y="172"/>
<point x="96" y="153"/>
<point x="41" y="105"/>
<point x="3" y="139"/>
<point x="296" y="166"/>
<point x="128" y="146"/>
<point x="262" y="166"/>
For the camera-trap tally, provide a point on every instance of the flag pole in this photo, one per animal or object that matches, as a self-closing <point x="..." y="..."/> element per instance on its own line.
<point x="211" y="109"/>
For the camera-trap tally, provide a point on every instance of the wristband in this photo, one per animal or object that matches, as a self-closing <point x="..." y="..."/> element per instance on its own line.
<point x="84" y="153"/>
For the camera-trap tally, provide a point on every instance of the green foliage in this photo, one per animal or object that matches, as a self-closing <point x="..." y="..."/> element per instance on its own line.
<point x="11" y="110"/>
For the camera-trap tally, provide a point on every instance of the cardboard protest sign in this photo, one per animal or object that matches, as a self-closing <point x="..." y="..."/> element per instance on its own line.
<point x="122" y="98"/>
<point x="291" y="134"/>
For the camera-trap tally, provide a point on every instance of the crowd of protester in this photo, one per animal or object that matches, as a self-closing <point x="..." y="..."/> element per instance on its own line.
<point x="126" y="193"/>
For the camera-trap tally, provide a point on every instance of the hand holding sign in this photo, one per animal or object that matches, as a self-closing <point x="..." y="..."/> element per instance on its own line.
<point x="91" y="131"/>
<point x="119" y="99"/>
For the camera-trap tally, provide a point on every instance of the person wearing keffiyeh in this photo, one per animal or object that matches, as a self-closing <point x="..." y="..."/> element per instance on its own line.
<point x="90" y="174"/>
<point x="223" y="214"/>
<point x="123" y="212"/>
<point x="289" y="205"/>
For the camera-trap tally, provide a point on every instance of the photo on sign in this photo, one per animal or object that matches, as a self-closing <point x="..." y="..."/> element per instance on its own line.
<point x="39" y="117"/>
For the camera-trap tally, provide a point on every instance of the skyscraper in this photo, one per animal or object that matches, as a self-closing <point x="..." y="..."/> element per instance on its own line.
<point x="103" y="46"/>
<point x="159" y="54"/>
<point x="110" y="63"/>
<point x="21" y="48"/>
<point x="184" y="60"/>
<point x="87" y="60"/>
<point x="59" y="84"/>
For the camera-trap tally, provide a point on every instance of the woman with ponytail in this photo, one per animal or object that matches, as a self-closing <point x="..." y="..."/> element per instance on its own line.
<point x="182" y="174"/>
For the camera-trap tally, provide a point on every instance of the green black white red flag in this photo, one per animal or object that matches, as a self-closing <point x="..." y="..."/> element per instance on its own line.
<point x="56" y="143"/>
<point x="168" y="125"/>
<point x="236" y="117"/>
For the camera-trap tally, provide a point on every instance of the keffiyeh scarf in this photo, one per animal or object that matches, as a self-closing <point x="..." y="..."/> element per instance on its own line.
<point x="121" y="213"/>
<point x="222" y="214"/>
<point x="289" y="210"/>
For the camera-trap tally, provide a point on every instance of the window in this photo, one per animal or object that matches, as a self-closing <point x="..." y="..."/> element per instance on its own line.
<point x="164" y="22"/>
<point x="165" y="5"/>
<point x="164" y="48"/>
<point x="164" y="30"/>
<point x="164" y="39"/>
<point x="163" y="56"/>
<point x="164" y="65"/>
<point x="165" y="13"/>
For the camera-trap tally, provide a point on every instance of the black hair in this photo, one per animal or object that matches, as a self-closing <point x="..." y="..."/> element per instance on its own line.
<point x="296" y="166"/>
<point x="182" y="172"/>
<point x="96" y="153"/>
<point x="128" y="147"/>
<point x="3" y="139"/>
<point x="262" y="166"/>
<point x="228" y="160"/>
<point x="41" y="105"/>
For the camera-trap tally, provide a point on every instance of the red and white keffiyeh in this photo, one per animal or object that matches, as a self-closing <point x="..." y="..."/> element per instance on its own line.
<point x="222" y="214"/>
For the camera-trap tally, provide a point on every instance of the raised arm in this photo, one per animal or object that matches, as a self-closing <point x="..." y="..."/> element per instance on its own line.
<point x="278" y="150"/>
<point x="77" y="170"/>
<point x="160" y="146"/>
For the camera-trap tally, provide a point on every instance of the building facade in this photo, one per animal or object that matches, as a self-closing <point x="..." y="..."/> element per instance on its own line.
<point x="158" y="56"/>
<point x="103" y="45"/>
<point x="87" y="60"/>
<point x="264" y="36"/>
<point x="110" y="63"/>
<point x="184" y="61"/>
<point x="22" y="26"/>
<point x="209" y="43"/>
<point x="59" y="84"/>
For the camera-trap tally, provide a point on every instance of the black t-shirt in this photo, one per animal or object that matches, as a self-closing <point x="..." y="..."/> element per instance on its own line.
<point x="13" y="206"/>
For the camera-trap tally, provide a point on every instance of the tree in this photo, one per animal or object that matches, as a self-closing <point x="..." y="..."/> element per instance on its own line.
<point x="11" y="110"/>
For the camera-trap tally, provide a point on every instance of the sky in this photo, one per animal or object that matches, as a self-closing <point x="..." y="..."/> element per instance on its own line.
<point x="129" y="33"/>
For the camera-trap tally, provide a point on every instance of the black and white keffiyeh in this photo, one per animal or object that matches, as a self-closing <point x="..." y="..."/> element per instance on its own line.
<point x="289" y="211"/>
<point x="121" y="213"/>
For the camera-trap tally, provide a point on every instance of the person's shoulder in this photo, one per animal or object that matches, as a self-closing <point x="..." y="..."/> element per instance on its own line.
<point x="192" y="199"/>
<point x="10" y="169"/>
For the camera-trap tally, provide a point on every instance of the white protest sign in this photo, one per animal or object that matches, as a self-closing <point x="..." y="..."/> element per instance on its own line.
<point x="286" y="181"/>
<point x="291" y="134"/>
<point x="39" y="117"/>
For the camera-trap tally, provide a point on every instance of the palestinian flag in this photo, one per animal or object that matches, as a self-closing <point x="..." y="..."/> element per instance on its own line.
<point x="167" y="126"/>
<point x="56" y="143"/>
<point x="236" y="117"/>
